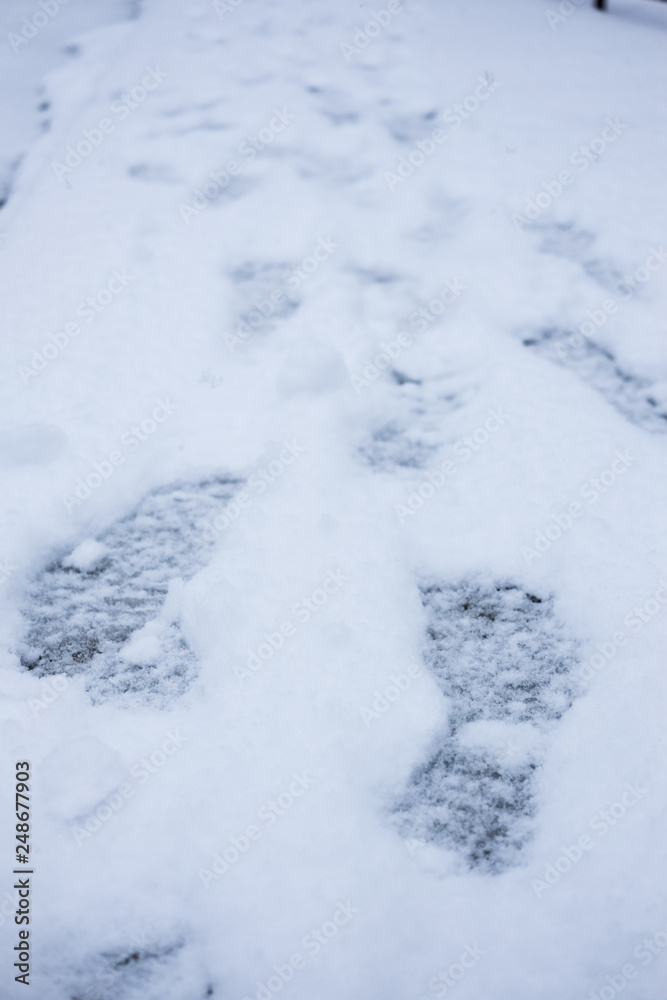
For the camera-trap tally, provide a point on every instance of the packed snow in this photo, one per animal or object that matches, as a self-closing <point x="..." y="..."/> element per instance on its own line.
<point x="333" y="558"/>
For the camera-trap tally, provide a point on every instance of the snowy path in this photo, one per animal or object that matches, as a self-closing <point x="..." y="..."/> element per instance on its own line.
<point x="477" y="515"/>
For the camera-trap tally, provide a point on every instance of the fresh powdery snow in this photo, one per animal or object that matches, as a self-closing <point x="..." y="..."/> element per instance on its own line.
<point x="333" y="561"/>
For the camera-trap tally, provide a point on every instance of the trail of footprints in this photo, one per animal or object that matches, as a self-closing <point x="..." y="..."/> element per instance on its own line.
<point x="80" y="613"/>
<point x="498" y="653"/>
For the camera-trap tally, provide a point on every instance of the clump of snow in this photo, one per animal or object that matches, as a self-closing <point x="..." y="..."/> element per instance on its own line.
<point x="143" y="648"/>
<point x="515" y="744"/>
<point x="86" y="556"/>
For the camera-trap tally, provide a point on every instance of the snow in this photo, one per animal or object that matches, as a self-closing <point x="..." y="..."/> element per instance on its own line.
<point x="29" y="51"/>
<point x="86" y="556"/>
<point x="78" y="775"/>
<point x="274" y="439"/>
<point x="31" y="444"/>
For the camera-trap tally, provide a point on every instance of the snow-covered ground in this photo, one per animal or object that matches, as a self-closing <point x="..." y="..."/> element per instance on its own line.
<point x="334" y="573"/>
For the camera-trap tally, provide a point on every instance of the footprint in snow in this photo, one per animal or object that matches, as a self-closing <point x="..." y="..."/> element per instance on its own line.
<point x="504" y="661"/>
<point x="83" y="612"/>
